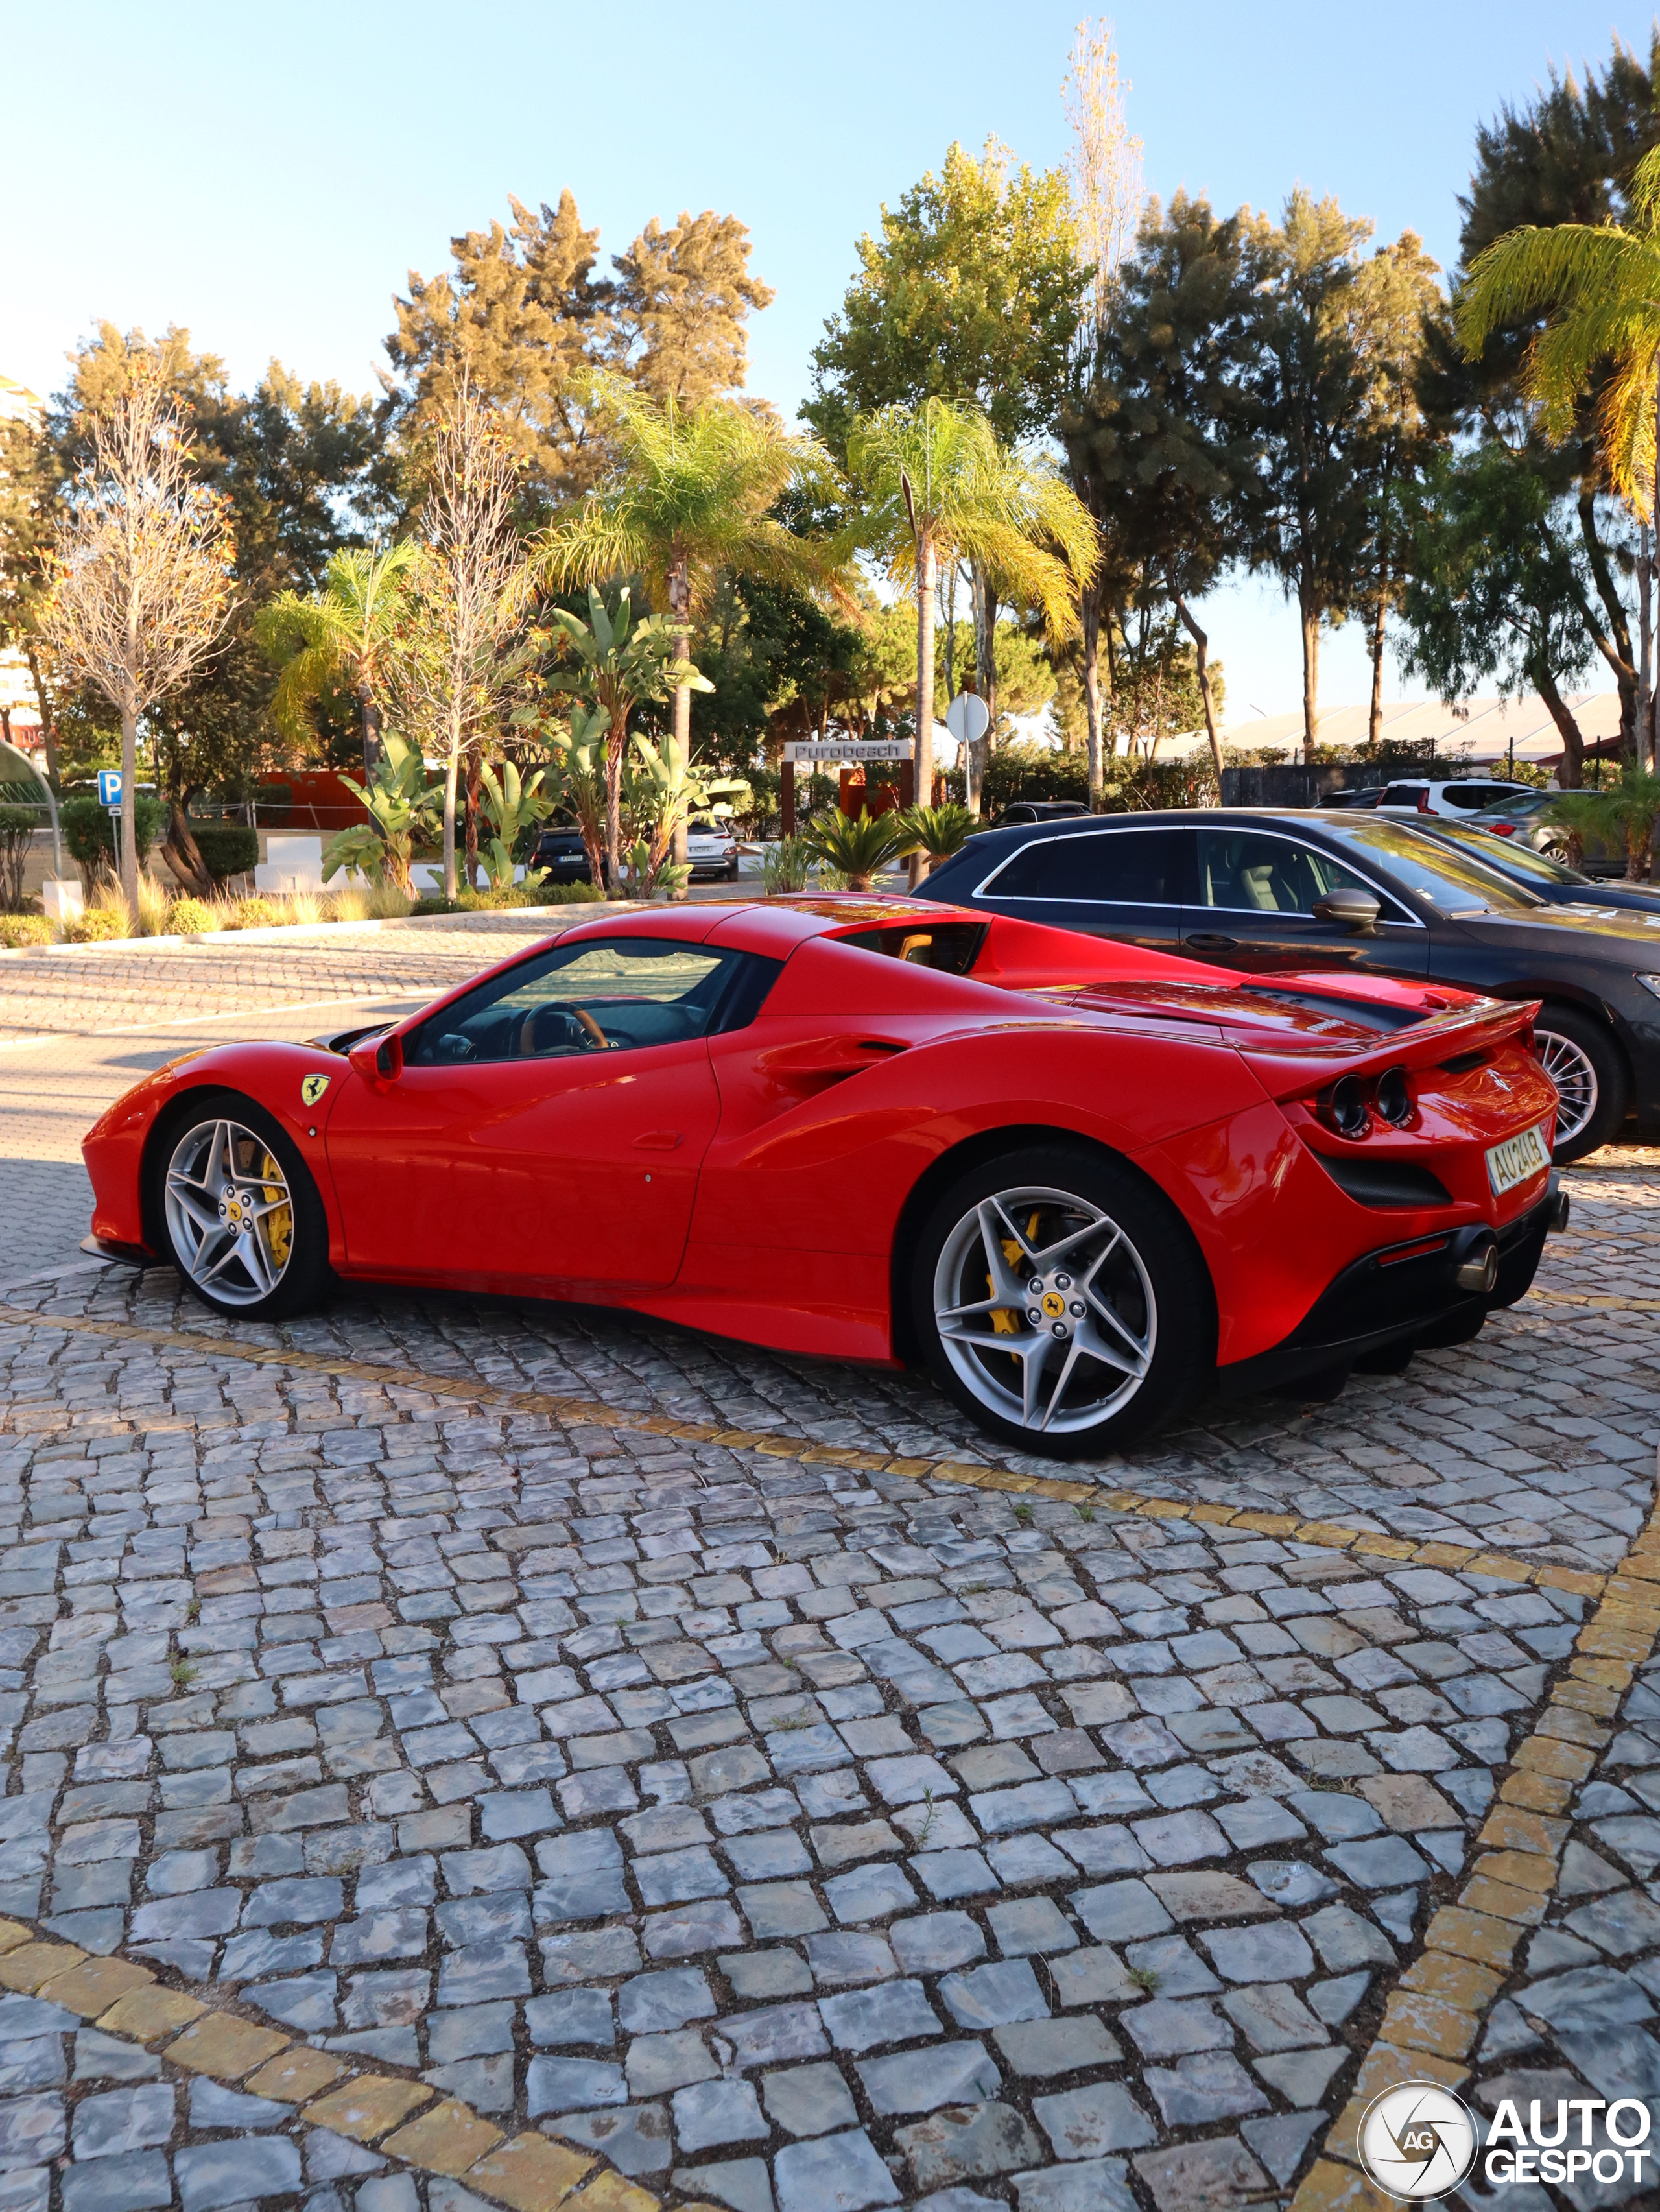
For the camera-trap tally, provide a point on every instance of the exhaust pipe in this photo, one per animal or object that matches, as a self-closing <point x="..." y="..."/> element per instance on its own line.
<point x="1479" y="1271"/>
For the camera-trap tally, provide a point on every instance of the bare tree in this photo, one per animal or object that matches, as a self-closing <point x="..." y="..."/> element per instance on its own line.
<point x="141" y="572"/>
<point x="470" y="594"/>
<point x="1105" y="168"/>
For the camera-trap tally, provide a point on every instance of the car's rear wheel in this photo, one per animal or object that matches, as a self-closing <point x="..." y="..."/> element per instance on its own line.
<point x="239" y="1211"/>
<point x="1588" y="1070"/>
<point x="1060" y="1300"/>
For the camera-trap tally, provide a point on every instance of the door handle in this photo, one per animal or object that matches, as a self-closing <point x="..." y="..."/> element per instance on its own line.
<point x="1207" y="941"/>
<point x="657" y="1140"/>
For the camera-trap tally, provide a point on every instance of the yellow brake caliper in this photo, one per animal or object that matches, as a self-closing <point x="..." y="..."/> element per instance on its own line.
<point x="1004" y="1321"/>
<point x="279" y="1226"/>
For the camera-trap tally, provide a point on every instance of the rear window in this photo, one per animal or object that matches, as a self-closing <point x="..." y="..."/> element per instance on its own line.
<point x="951" y="946"/>
<point x="1121" y="867"/>
<point x="1404" y="794"/>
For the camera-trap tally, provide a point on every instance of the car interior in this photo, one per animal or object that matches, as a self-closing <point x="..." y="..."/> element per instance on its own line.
<point x="1248" y="873"/>
<point x="594" y="997"/>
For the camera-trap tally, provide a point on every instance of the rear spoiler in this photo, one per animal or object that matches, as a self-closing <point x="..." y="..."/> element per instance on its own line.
<point x="1293" y="1067"/>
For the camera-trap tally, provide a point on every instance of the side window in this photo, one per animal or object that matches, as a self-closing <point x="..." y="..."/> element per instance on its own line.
<point x="613" y="995"/>
<point x="1403" y="794"/>
<point x="1472" y="796"/>
<point x="1243" y="871"/>
<point x="1117" y="867"/>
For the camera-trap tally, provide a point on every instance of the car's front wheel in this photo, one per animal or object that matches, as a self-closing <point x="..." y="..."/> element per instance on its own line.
<point x="1583" y="1059"/>
<point x="1060" y="1299"/>
<point x="239" y="1211"/>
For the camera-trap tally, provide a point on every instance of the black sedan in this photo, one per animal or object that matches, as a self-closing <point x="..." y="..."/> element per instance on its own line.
<point x="559" y="851"/>
<point x="1264" y="890"/>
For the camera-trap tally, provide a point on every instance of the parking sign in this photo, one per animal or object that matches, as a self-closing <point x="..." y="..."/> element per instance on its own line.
<point x="109" y="787"/>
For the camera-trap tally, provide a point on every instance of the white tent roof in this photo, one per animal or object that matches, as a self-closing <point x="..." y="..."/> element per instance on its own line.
<point x="1486" y="728"/>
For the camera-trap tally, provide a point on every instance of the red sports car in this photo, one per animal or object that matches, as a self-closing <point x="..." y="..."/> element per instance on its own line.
<point x="1077" y="1180"/>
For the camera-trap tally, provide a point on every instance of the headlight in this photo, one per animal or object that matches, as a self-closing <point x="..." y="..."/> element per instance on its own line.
<point x="1651" y="984"/>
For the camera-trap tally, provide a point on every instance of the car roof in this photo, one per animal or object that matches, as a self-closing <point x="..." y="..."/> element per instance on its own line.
<point x="775" y="925"/>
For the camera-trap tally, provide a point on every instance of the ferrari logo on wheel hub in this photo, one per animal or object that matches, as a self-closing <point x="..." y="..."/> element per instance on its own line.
<point x="1054" y="1304"/>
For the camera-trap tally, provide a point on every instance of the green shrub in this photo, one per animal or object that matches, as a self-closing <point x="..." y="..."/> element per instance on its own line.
<point x="98" y="925"/>
<point x="258" y="913"/>
<point x="17" y="828"/>
<point x="565" y="895"/>
<point x="191" y="917"/>
<point x="1028" y="771"/>
<point x="90" y="835"/>
<point x="17" y="929"/>
<point x="226" y="848"/>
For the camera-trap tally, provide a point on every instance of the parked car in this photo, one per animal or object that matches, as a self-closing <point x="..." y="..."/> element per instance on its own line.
<point x="559" y="849"/>
<point x="1543" y="872"/>
<point x="1076" y="1180"/>
<point x="1039" y="810"/>
<point x="1530" y="823"/>
<point x="712" y="848"/>
<point x="1469" y="795"/>
<point x="1368" y="795"/>
<point x="1367" y="893"/>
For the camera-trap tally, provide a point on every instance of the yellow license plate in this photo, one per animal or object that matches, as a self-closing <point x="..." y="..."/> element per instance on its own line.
<point x="1517" y="1158"/>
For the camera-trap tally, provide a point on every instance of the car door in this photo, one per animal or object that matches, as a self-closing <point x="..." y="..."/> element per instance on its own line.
<point x="1256" y="894"/>
<point x="1126" y="882"/>
<point x="547" y="1129"/>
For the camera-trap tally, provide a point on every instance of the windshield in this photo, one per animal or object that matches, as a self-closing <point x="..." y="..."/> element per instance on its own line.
<point x="1451" y="881"/>
<point x="1511" y="860"/>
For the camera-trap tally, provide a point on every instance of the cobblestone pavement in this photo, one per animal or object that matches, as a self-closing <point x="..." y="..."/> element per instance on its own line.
<point x="463" y="1754"/>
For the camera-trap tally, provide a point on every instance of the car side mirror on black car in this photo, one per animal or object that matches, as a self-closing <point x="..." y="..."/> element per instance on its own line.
<point x="1357" y="911"/>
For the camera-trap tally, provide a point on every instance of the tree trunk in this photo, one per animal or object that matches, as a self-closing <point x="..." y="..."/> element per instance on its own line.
<point x="1310" y="616"/>
<point x="680" y="617"/>
<point x="475" y="779"/>
<point x="617" y="739"/>
<point x="1375" y="717"/>
<point x="48" y="720"/>
<point x="1572" y="774"/>
<point x="1201" y="652"/>
<point x="1089" y="608"/>
<point x="129" y="805"/>
<point x="1616" y="648"/>
<point x="370" y="714"/>
<point x="1644" y="639"/>
<point x="922" y="754"/>
<point x="183" y="855"/>
<point x="451" y="777"/>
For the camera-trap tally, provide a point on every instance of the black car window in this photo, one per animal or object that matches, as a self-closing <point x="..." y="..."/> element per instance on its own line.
<point x="1247" y="872"/>
<point x="1453" y="882"/>
<point x="1121" y="867"/>
<point x="1510" y="859"/>
<point x="602" y="994"/>
<point x="1404" y="794"/>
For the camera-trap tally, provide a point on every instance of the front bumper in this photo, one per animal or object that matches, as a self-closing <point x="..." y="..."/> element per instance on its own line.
<point x="1400" y="1292"/>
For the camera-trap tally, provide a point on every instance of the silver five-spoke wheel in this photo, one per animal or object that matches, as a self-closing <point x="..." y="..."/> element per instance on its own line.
<point x="229" y="1212"/>
<point x="1570" y="1069"/>
<point x="1044" y="1310"/>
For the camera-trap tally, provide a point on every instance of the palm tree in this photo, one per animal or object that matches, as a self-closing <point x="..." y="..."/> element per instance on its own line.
<point x="1598" y="287"/>
<point x="690" y="495"/>
<point x="940" y="488"/>
<point x="344" y="636"/>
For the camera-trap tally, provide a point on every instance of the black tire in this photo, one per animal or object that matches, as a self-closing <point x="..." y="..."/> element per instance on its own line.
<point x="731" y="871"/>
<point x="1152" y="1279"/>
<point x="305" y="1275"/>
<point x="1585" y="1057"/>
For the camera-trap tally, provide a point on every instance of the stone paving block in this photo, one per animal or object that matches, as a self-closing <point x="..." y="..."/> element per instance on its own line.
<point x="1084" y="2124"/>
<point x="922" y="2081"/>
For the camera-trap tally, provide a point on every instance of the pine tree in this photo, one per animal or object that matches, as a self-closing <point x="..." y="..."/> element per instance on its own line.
<point x="682" y="295"/>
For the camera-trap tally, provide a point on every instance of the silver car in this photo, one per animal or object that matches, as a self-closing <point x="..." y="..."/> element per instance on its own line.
<point x="712" y="848"/>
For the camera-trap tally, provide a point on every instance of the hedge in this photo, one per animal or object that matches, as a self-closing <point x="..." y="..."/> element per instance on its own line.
<point x="90" y="834"/>
<point x="227" y="847"/>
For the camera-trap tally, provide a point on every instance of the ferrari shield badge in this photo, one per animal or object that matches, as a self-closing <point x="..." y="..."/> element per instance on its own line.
<point x="311" y="1088"/>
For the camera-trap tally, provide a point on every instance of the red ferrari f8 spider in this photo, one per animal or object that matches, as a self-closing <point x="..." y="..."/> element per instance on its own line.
<point x="1077" y="1181"/>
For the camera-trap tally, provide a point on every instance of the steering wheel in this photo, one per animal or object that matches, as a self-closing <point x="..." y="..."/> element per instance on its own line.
<point x="580" y="1027"/>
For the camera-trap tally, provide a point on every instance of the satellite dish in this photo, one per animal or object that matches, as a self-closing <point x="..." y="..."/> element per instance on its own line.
<point x="966" y="717"/>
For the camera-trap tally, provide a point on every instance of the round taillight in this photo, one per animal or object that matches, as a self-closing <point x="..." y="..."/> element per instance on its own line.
<point x="1348" y="1107"/>
<point x="1393" y="1098"/>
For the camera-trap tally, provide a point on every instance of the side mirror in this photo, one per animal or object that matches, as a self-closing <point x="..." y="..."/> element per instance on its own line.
<point x="1355" y="911"/>
<point x="378" y="1059"/>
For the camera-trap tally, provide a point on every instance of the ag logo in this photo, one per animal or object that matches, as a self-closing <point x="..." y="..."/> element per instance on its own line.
<point x="1417" y="2141"/>
<point x="311" y="1088"/>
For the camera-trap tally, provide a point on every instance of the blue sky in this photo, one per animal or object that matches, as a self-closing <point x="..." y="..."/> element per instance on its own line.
<point x="268" y="179"/>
